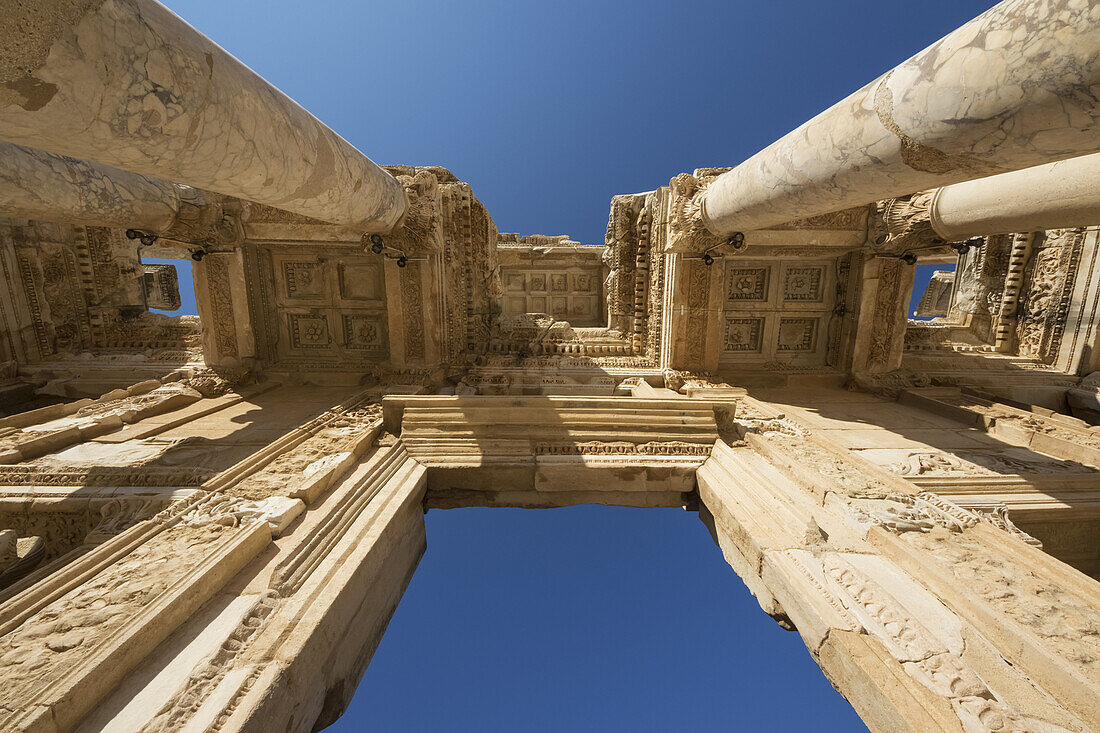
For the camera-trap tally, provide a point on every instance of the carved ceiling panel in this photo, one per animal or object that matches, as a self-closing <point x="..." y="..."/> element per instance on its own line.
<point x="569" y="294"/>
<point x="777" y="310"/>
<point x="323" y="307"/>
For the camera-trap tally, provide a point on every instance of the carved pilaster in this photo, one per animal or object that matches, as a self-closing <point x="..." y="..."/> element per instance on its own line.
<point x="880" y="335"/>
<point x="621" y="255"/>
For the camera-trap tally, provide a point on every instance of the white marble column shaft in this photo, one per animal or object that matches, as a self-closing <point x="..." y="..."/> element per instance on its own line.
<point x="1058" y="195"/>
<point x="1013" y="88"/>
<point x="46" y="187"/>
<point x="129" y="84"/>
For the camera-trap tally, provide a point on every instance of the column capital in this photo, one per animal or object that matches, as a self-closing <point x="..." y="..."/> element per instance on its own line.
<point x="904" y="224"/>
<point x="207" y="219"/>
<point x="688" y="231"/>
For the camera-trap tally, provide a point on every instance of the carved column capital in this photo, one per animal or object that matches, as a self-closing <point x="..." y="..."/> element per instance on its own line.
<point x="905" y="224"/>
<point x="688" y="232"/>
<point x="419" y="230"/>
<point x="207" y="219"/>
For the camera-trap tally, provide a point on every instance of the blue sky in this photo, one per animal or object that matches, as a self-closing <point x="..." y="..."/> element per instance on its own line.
<point x="585" y="618"/>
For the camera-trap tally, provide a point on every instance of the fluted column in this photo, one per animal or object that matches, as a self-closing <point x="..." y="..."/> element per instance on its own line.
<point x="1015" y="87"/>
<point x="128" y="84"/>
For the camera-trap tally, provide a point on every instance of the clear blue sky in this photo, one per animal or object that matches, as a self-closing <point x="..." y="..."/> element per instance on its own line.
<point x="587" y="618"/>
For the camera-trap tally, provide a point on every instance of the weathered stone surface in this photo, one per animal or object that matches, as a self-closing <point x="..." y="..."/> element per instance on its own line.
<point x="177" y="107"/>
<point x="206" y="522"/>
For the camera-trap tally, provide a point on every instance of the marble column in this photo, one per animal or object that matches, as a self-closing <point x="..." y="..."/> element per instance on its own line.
<point x="47" y="187"/>
<point x="1013" y="88"/>
<point x="1062" y="195"/>
<point x="128" y="84"/>
<point x="1058" y="195"/>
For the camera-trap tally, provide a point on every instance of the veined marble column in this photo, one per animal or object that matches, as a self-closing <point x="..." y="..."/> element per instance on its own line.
<point x="1058" y="195"/>
<point x="1052" y="196"/>
<point x="128" y="84"/>
<point x="47" y="187"/>
<point x="1013" y="88"/>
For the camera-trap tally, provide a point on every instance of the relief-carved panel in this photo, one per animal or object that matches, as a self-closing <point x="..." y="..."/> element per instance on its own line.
<point x="303" y="280"/>
<point x="365" y="332"/>
<point x="571" y="295"/>
<point x="1008" y="461"/>
<point x="747" y="283"/>
<point x="585" y="282"/>
<point x="308" y="331"/>
<point x="412" y="308"/>
<point x="321" y="307"/>
<point x="803" y="284"/>
<point x="1044" y="307"/>
<point x="743" y="334"/>
<point x="777" y="314"/>
<point x="797" y="334"/>
<point x="64" y="271"/>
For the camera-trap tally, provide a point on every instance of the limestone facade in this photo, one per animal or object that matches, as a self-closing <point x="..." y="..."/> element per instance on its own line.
<point x="206" y="522"/>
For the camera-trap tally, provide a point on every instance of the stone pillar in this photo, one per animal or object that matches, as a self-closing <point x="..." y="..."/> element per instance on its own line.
<point x="1013" y="88"/>
<point x="695" y="315"/>
<point x="128" y="84"/>
<point x="221" y="293"/>
<point x="46" y="187"/>
<point x="883" y="316"/>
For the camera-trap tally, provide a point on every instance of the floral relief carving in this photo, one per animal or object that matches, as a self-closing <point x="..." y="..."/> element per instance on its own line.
<point x="687" y="230"/>
<point x="904" y="224"/>
<point x="936" y="463"/>
<point x="308" y="331"/>
<point x="747" y="283"/>
<point x="221" y="304"/>
<point x="303" y="279"/>
<point x="744" y="334"/>
<point x="803" y="284"/>
<point x="364" y="332"/>
<point x="412" y="306"/>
